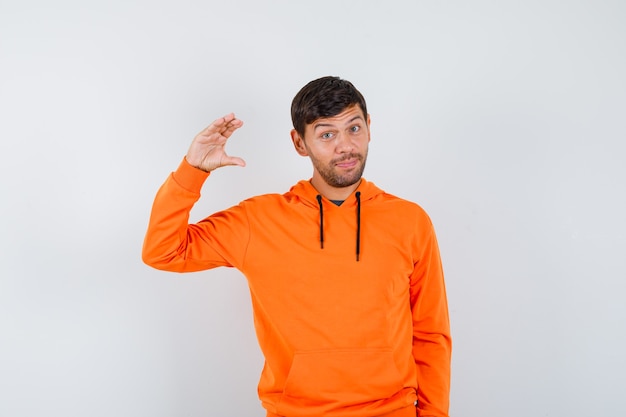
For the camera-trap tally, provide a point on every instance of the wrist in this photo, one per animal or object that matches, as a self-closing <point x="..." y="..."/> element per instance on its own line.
<point x="189" y="176"/>
<point x="196" y="165"/>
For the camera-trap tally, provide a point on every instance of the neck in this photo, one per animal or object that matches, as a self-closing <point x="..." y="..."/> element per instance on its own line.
<point x="333" y="193"/>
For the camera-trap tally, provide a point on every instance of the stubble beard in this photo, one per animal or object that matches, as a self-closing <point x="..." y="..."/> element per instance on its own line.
<point x="332" y="177"/>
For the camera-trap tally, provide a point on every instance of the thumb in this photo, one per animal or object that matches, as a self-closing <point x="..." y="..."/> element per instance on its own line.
<point x="233" y="160"/>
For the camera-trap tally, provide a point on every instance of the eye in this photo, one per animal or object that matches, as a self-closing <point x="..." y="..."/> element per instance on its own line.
<point x="327" y="135"/>
<point x="355" y="128"/>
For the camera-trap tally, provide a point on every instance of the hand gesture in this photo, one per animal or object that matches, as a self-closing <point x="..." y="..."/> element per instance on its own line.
<point x="207" y="149"/>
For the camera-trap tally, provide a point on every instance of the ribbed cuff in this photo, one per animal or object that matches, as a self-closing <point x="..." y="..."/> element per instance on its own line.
<point x="190" y="177"/>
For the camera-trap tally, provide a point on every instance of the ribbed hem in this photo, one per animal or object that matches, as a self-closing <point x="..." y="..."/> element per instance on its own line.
<point x="409" y="411"/>
<point x="189" y="177"/>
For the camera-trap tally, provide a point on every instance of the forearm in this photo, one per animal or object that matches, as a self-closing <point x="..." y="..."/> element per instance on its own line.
<point x="166" y="242"/>
<point x="432" y="359"/>
<point x="432" y="347"/>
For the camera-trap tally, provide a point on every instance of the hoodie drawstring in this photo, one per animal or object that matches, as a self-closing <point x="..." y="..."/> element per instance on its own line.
<point x="358" y="223"/>
<point x="319" y="201"/>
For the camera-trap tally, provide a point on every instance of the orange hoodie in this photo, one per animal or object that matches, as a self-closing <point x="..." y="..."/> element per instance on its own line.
<point x="349" y="301"/>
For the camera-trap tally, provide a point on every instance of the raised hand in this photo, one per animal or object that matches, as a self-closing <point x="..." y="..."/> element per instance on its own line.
<point x="207" y="149"/>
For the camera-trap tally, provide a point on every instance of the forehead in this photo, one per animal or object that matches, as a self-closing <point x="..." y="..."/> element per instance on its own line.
<point x="348" y="115"/>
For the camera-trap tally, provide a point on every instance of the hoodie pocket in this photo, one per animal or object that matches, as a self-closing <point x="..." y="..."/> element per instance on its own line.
<point x="340" y="378"/>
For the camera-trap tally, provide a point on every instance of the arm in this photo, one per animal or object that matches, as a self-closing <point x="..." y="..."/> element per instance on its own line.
<point x="174" y="245"/>
<point x="431" y="329"/>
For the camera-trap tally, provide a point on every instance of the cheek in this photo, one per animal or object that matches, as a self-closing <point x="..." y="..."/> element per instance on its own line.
<point x="323" y="150"/>
<point x="362" y="141"/>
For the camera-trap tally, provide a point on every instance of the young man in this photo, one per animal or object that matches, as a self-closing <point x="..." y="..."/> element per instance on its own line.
<point x="346" y="281"/>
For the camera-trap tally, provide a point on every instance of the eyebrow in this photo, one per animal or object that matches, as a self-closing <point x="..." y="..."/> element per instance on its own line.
<point x="317" y="125"/>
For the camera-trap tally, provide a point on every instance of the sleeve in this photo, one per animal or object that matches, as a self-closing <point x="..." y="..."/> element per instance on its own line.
<point x="171" y="244"/>
<point x="432" y="344"/>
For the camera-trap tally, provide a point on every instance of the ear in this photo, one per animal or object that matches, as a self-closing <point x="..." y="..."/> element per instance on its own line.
<point x="298" y="143"/>
<point x="369" y="120"/>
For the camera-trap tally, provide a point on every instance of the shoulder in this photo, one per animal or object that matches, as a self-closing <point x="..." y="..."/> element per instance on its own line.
<point x="402" y="207"/>
<point x="267" y="201"/>
<point x="264" y="199"/>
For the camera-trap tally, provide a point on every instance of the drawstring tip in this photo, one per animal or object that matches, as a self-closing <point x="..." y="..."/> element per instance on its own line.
<point x="358" y="224"/>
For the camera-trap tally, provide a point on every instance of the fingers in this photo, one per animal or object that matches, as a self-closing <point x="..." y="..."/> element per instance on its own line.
<point x="224" y="126"/>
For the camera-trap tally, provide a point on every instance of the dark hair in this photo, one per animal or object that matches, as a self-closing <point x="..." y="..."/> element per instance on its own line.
<point x="324" y="97"/>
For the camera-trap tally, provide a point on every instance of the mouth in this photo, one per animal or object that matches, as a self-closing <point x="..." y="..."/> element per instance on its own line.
<point x="348" y="163"/>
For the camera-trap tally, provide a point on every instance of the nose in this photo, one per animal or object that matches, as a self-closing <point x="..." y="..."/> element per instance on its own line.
<point x="344" y="143"/>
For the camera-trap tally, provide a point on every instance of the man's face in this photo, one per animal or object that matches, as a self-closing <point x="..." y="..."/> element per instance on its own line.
<point x="337" y="147"/>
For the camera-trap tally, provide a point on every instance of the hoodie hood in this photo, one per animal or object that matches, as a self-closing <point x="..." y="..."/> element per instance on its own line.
<point x="307" y="194"/>
<point x="304" y="192"/>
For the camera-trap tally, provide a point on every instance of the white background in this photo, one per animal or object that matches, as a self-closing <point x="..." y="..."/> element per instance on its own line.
<point x="505" y="120"/>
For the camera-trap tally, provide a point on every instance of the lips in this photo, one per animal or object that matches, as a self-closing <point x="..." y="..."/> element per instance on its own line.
<point x="348" y="163"/>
